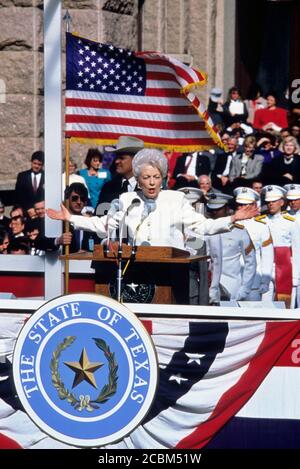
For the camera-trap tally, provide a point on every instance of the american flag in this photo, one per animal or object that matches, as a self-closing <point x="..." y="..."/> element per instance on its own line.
<point x="112" y="91"/>
<point x="209" y="369"/>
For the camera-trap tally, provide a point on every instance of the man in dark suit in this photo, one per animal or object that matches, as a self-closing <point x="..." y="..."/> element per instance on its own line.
<point x="188" y="168"/>
<point x="223" y="165"/>
<point x="30" y="184"/>
<point x="124" y="181"/>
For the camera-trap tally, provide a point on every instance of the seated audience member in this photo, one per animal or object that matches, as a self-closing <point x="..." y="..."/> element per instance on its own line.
<point x="17" y="227"/>
<point x="32" y="230"/>
<point x="31" y="214"/>
<point x="17" y="211"/>
<point x="39" y="208"/>
<point x="78" y="197"/>
<point x="247" y="166"/>
<point x="257" y="186"/>
<point x="286" y="167"/>
<point x="205" y="184"/>
<point x="73" y="176"/>
<point x="295" y="132"/>
<point x="215" y="152"/>
<point x="18" y="246"/>
<point x="234" y="108"/>
<point x="4" y="240"/>
<point x="172" y="157"/>
<point x="188" y="168"/>
<point x="254" y="102"/>
<point x="215" y="107"/>
<point x="270" y="118"/>
<point x="223" y="165"/>
<point x="94" y="176"/>
<point x="284" y="133"/>
<point x="266" y="146"/>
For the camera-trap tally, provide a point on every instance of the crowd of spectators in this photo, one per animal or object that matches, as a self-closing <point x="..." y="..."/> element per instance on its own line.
<point x="259" y="148"/>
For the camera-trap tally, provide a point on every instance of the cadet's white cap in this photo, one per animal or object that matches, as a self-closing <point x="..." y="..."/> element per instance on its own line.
<point x="272" y="193"/>
<point x="193" y="194"/>
<point x="293" y="191"/>
<point x="245" y="195"/>
<point x="217" y="200"/>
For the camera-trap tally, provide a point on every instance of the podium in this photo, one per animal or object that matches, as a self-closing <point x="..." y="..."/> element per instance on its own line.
<point x="159" y="273"/>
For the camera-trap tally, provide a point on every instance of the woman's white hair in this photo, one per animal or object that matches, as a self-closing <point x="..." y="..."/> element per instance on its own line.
<point x="149" y="157"/>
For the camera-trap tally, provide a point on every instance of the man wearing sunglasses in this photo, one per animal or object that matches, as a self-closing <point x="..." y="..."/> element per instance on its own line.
<point x="77" y="195"/>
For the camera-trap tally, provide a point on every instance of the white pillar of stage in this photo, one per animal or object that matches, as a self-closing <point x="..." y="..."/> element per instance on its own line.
<point x="53" y="137"/>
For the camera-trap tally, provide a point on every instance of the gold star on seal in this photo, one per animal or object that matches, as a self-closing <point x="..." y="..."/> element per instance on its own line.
<point x="84" y="370"/>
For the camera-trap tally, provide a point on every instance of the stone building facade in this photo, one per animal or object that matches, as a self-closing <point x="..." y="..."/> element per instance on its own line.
<point x="199" y="32"/>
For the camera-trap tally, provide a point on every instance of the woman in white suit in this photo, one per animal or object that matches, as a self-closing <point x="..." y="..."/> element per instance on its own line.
<point x="152" y="216"/>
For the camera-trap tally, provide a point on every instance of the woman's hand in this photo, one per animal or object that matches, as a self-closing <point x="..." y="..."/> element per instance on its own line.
<point x="62" y="214"/>
<point x="248" y="211"/>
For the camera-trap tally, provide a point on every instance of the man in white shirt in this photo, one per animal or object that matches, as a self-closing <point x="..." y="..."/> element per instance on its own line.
<point x="188" y="168"/>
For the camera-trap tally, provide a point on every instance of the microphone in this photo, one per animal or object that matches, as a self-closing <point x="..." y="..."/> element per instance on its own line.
<point x="149" y="207"/>
<point x="134" y="203"/>
<point x="114" y="208"/>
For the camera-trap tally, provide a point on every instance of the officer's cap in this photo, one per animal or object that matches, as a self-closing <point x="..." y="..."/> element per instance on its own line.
<point x="217" y="200"/>
<point x="193" y="194"/>
<point x="273" y="193"/>
<point x="245" y="195"/>
<point x="293" y="191"/>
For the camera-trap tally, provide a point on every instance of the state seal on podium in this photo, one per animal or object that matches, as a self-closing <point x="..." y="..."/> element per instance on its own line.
<point x="85" y="369"/>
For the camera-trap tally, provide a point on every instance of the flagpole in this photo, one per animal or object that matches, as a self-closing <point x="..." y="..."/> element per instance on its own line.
<point x="68" y="21"/>
<point x="67" y="223"/>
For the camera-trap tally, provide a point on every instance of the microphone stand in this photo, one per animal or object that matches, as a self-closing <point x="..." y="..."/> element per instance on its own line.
<point x="120" y="249"/>
<point x="119" y="259"/>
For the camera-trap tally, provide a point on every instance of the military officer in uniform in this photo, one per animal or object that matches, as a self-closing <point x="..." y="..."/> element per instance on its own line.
<point x="261" y="238"/>
<point x="236" y="282"/>
<point x="286" y="240"/>
<point x="198" y="271"/>
<point x="293" y="197"/>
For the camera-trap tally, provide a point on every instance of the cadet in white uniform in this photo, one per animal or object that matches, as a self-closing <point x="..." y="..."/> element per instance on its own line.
<point x="196" y="245"/>
<point x="286" y="240"/>
<point x="236" y="282"/>
<point x="261" y="238"/>
<point x="293" y="196"/>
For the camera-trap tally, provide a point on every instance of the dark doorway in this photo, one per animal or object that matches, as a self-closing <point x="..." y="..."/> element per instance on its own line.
<point x="267" y="45"/>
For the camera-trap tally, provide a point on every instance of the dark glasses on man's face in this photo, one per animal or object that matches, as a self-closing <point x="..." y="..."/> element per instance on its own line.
<point x="77" y="198"/>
